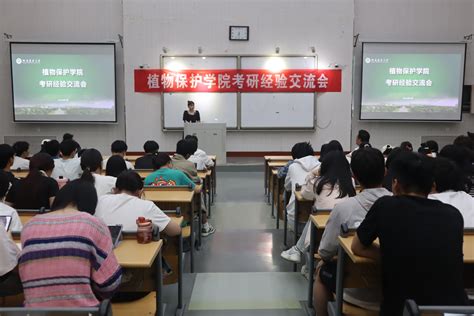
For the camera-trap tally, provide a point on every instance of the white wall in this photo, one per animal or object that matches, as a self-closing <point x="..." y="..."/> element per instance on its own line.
<point x="68" y="21"/>
<point x="184" y="25"/>
<point x="411" y="21"/>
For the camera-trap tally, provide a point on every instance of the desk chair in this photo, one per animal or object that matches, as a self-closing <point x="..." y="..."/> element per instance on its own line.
<point x="104" y="309"/>
<point x="412" y="309"/>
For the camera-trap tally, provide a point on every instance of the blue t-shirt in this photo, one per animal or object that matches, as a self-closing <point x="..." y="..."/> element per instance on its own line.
<point x="166" y="176"/>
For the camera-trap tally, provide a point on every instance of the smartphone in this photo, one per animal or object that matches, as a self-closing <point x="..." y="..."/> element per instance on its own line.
<point x="6" y="222"/>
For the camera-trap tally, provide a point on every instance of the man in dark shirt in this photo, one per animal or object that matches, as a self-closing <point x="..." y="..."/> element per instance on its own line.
<point x="421" y="240"/>
<point x="146" y="162"/>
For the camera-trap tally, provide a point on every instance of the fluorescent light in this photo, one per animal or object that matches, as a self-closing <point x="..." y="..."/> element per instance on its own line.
<point x="275" y="64"/>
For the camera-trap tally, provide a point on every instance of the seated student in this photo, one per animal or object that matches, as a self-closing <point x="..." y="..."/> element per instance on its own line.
<point x="91" y="165"/>
<point x="406" y="146"/>
<point x="151" y="149"/>
<point x="126" y="205"/>
<point x="424" y="150"/>
<point x="421" y="240"/>
<point x="38" y="189"/>
<point x="6" y="210"/>
<point x="184" y="150"/>
<point x="7" y="155"/>
<point x="52" y="148"/>
<point x="332" y="186"/>
<point x="368" y="169"/>
<point x="68" y="166"/>
<point x="362" y="137"/>
<point x="449" y="189"/>
<point x="119" y="148"/>
<point x="10" y="283"/>
<point x="387" y="181"/>
<point x="67" y="256"/>
<point x="283" y="171"/>
<point x="199" y="157"/>
<point x="433" y="146"/>
<point x="386" y="150"/>
<point x="164" y="175"/>
<point x="115" y="166"/>
<point x="297" y="173"/>
<point x="21" y="153"/>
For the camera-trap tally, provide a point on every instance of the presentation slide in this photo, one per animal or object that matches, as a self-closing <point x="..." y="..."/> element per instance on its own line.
<point x="63" y="82"/>
<point x="407" y="81"/>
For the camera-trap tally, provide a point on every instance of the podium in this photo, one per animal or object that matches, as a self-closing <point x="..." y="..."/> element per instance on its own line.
<point x="212" y="138"/>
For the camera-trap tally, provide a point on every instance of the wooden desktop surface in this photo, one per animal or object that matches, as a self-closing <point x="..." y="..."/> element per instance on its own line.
<point x="468" y="249"/>
<point x="131" y="254"/>
<point x="169" y="196"/>
<point x="320" y="220"/>
<point x="300" y="197"/>
<point x="277" y="164"/>
<point x="278" y="158"/>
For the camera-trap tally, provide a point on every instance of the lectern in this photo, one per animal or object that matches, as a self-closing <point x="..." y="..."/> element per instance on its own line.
<point x="211" y="136"/>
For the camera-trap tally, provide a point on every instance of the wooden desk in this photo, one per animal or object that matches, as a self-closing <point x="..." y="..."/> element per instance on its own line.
<point x="169" y="197"/>
<point x="20" y="174"/>
<point x="369" y="271"/>
<point x="317" y="225"/>
<point x="205" y="176"/>
<point x="131" y="254"/>
<point x="267" y="160"/>
<point x="271" y="175"/>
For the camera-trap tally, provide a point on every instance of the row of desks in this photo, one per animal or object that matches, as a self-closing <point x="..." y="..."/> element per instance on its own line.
<point x="358" y="272"/>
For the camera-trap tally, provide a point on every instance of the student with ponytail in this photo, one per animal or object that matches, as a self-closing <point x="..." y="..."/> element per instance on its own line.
<point x="91" y="165"/>
<point x="38" y="189"/>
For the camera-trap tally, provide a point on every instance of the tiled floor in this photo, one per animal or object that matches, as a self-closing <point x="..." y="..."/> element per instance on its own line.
<point x="239" y="268"/>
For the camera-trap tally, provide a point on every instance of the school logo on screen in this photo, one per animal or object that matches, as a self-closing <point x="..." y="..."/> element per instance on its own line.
<point x="18" y="60"/>
<point x="367" y="60"/>
<point x="29" y="61"/>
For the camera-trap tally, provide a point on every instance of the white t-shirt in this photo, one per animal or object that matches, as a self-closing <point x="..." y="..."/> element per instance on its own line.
<point x="460" y="200"/>
<point x="104" y="184"/>
<point x="6" y="210"/>
<point x="127" y="163"/>
<point x="68" y="169"/>
<point x="8" y="252"/>
<point x="20" y="163"/>
<point x="201" y="159"/>
<point x="124" y="209"/>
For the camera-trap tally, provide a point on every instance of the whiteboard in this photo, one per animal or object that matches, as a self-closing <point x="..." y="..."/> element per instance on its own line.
<point x="213" y="108"/>
<point x="277" y="110"/>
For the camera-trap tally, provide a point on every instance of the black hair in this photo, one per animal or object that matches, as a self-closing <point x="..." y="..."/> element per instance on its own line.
<point x="151" y="147"/>
<point x="424" y="149"/>
<point x="333" y="145"/>
<point x="432" y="145"/>
<point x="115" y="165"/>
<point x="6" y="153"/>
<point x="160" y="160"/>
<point x="335" y="169"/>
<point x="365" y="145"/>
<point x="129" y="181"/>
<point x="20" y="148"/>
<point x="184" y="148"/>
<point x="193" y="138"/>
<point x="52" y="148"/>
<point x="368" y="166"/>
<point x="464" y="141"/>
<point x="39" y="163"/>
<point x="78" y="192"/>
<point x="194" y="144"/>
<point x="118" y="146"/>
<point x="448" y="176"/>
<point x="392" y="156"/>
<point x="406" y="146"/>
<point x="414" y="172"/>
<point x="91" y="160"/>
<point x="460" y="155"/>
<point x="363" y="135"/>
<point x="4" y="184"/>
<point x="67" y="147"/>
<point x="190" y="103"/>
<point x="300" y="150"/>
<point x="67" y="136"/>
<point x="387" y="150"/>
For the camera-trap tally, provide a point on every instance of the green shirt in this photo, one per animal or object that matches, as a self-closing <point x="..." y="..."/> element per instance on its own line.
<point x="166" y="176"/>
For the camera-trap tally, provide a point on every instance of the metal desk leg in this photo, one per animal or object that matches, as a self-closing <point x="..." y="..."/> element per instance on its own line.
<point x="199" y="224"/>
<point x="312" y="250"/>
<point x="265" y="185"/>
<point x="180" y="309"/>
<point x="273" y="197"/>
<point x="160" y="309"/>
<point x="339" y="280"/>
<point x="295" y="266"/>
<point x="277" y="201"/>
<point x="285" y="223"/>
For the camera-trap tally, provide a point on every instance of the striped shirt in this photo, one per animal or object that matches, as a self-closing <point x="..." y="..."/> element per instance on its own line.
<point x="67" y="260"/>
